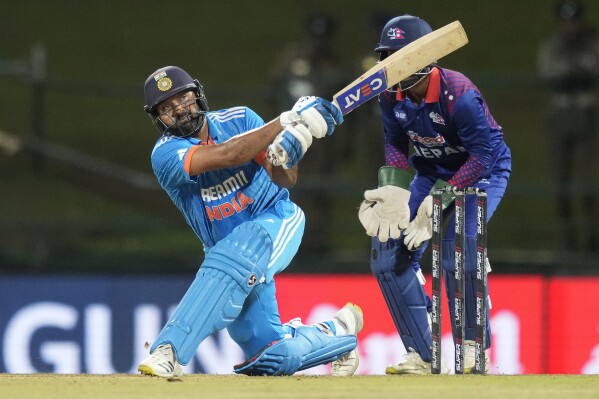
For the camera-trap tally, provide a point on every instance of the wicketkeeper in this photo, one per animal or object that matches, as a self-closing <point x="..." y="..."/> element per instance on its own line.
<point x="455" y="142"/>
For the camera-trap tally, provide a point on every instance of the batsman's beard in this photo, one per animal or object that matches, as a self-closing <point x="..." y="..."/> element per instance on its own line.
<point x="187" y="124"/>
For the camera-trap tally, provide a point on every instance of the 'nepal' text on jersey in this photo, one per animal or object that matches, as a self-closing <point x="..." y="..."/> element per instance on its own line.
<point x="452" y="127"/>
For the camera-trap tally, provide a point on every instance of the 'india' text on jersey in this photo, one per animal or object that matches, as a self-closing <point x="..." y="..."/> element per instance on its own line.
<point x="214" y="203"/>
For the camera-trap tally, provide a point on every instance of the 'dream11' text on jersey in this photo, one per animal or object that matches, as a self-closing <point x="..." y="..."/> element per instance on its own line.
<point x="215" y="202"/>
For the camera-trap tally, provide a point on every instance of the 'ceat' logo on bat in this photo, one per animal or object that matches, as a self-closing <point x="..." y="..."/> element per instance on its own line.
<point x="362" y="92"/>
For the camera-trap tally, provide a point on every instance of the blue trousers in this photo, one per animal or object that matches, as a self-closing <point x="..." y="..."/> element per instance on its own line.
<point x="421" y="187"/>
<point x="259" y="322"/>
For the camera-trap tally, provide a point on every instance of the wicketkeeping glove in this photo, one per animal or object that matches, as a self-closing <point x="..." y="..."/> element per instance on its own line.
<point x="421" y="228"/>
<point x="289" y="146"/>
<point x="385" y="211"/>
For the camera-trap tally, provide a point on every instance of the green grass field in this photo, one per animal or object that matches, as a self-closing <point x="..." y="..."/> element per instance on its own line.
<point x="48" y="386"/>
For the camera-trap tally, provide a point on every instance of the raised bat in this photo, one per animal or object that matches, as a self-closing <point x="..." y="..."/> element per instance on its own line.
<point x="401" y="64"/>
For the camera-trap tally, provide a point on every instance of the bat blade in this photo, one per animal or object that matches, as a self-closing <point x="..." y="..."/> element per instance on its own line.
<point x="401" y="64"/>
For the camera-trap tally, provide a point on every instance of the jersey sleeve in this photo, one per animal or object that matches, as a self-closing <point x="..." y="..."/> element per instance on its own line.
<point x="254" y="121"/>
<point x="475" y="133"/>
<point x="168" y="162"/>
<point x="396" y="140"/>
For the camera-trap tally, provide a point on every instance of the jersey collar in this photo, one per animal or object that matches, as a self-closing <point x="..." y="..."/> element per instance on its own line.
<point x="432" y="92"/>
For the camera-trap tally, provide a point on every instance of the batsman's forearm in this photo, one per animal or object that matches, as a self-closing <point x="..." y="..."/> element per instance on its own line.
<point x="247" y="146"/>
<point x="235" y="151"/>
<point x="285" y="178"/>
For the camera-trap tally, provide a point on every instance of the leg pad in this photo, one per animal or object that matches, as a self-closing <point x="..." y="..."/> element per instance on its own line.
<point x="404" y="295"/>
<point x="231" y="270"/>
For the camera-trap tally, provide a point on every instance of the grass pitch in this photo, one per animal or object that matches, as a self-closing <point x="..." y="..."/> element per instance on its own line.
<point x="122" y="386"/>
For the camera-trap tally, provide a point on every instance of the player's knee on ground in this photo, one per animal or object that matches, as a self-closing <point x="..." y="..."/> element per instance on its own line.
<point x="309" y="347"/>
<point x="259" y="323"/>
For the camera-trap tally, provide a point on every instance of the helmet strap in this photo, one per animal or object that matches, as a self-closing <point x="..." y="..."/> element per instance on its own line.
<point x="175" y="129"/>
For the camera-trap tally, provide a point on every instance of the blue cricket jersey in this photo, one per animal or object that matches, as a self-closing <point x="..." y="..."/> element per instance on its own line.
<point x="214" y="203"/>
<point x="454" y="136"/>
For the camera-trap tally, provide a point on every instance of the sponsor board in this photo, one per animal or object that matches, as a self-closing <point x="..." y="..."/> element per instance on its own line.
<point x="100" y="324"/>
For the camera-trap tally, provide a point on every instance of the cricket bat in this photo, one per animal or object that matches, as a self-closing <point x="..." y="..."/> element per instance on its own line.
<point x="401" y="64"/>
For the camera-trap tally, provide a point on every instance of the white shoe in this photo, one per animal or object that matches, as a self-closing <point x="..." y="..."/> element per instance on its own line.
<point x="161" y="363"/>
<point x="412" y="363"/>
<point x="470" y="356"/>
<point x="346" y="365"/>
<point x="352" y="318"/>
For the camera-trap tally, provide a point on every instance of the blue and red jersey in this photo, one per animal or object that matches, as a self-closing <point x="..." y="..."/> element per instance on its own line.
<point x="214" y="203"/>
<point x="453" y="134"/>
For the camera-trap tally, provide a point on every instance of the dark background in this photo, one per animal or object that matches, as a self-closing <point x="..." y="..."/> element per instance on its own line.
<point x="91" y="210"/>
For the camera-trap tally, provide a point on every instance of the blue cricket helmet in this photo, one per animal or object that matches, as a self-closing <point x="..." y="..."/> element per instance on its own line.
<point x="166" y="82"/>
<point x="401" y="31"/>
<point x="398" y="33"/>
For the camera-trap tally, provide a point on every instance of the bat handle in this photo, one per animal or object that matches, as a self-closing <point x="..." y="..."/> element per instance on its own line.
<point x="336" y="104"/>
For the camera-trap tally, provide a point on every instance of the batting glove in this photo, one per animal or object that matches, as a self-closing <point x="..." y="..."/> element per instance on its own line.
<point x="289" y="146"/>
<point x="319" y="115"/>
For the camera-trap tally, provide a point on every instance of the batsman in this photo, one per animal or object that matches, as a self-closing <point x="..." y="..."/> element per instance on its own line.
<point x="455" y="142"/>
<point x="226" y="171"/>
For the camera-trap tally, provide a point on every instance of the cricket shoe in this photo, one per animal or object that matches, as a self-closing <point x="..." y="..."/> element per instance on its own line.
<point x="412" y="363"/>
<point x="161" y="363"/>
<point x="351" y="317"/>
<point x="470" y="357"/>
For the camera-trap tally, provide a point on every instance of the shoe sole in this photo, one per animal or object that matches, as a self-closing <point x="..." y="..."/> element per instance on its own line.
<point x="146" y="370"/>
<point x="470" y="370"/>
<point x="354" y="368"/>
<point x="356" y="311"/>
<point x="358" y="315"/>
<point x="392" y="371"/>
